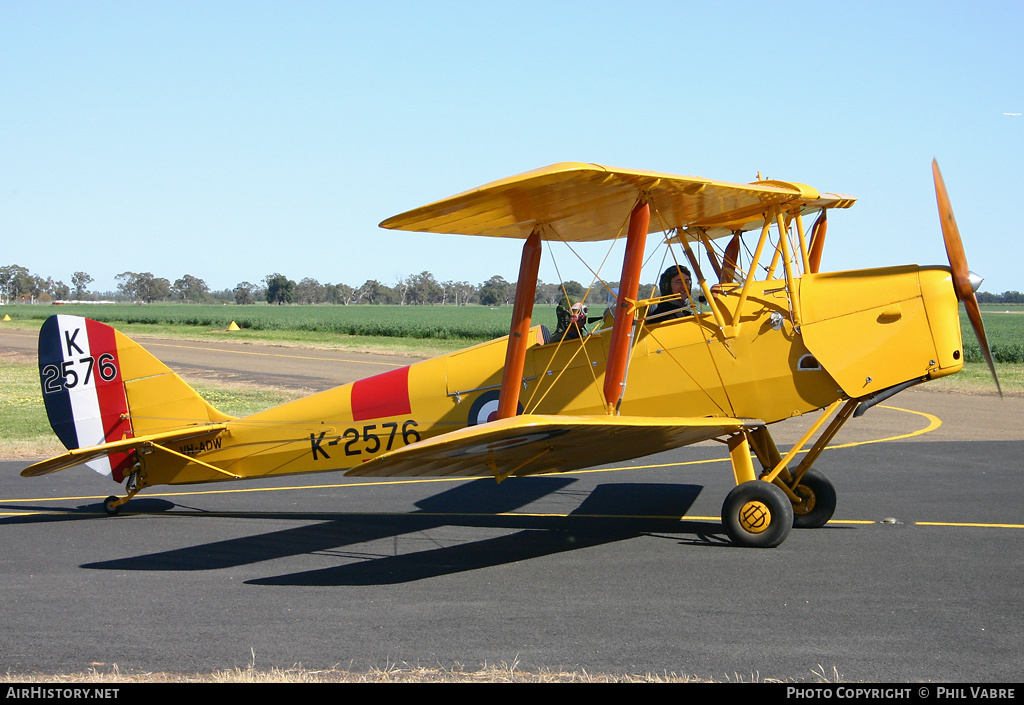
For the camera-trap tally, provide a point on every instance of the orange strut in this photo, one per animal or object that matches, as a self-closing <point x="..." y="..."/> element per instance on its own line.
<point x="629" y="285"/>
<point x="519" y="334"/>
<point x="818" y="231"/>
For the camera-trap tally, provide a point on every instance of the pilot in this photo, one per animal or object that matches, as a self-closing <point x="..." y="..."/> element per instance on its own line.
<point x="572" y="320"/>
<point x="674" y="280"/>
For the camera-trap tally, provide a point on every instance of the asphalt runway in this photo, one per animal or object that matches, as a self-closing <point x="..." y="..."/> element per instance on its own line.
<point x="614" y="570"/>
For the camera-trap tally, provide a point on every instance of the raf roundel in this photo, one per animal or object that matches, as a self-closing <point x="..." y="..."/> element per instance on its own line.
<point x="485" y="408"/>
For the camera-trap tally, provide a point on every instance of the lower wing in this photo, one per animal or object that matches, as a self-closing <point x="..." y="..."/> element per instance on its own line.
<point x="533" y="444"/>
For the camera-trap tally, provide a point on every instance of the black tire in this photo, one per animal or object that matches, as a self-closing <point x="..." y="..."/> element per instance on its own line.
<point x="819" y="501"/>
<point x="757" y="514"/>
<point x="109" y="507"/>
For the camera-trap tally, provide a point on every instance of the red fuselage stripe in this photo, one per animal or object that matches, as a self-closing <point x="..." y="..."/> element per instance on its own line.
<point x="382" y="395"/>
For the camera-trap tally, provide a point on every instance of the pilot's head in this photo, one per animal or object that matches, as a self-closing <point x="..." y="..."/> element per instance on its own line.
<point x="675" y="280"/>
<point x="571" y="311"/>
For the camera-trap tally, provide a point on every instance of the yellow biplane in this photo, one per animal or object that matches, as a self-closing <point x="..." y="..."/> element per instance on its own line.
<point x="770" y="337"/>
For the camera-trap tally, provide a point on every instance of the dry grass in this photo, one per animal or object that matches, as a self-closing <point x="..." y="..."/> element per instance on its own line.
<point x="399" y="673"/>
<point x="32" y="449"/>
<point x="503" y="672"/>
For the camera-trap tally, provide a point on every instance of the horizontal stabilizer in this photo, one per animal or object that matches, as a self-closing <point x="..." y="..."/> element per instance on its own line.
<point x="532" y="444"/>
<point x="83" y="455"/>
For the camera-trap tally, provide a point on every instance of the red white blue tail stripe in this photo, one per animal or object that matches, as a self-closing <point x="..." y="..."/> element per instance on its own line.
<point x="83" y="389"/>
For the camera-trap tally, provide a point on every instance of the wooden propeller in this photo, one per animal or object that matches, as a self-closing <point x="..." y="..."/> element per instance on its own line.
<point x="958" y="266"/>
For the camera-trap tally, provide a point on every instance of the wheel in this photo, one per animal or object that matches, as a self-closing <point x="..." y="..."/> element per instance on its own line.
<point x="757" y="514"/>
<point x="110" y="505"/>
<point x="818" y="501"/>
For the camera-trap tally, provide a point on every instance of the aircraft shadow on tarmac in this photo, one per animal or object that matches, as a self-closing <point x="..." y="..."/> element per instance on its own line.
<point x="609" y="513"/>
<point x="46" y="514"/>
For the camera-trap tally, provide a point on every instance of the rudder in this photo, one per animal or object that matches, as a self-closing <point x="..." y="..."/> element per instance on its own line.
<point x="99" y="387"/>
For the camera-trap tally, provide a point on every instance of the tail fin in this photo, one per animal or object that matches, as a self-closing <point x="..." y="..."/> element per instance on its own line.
<point x="99" y="387"/>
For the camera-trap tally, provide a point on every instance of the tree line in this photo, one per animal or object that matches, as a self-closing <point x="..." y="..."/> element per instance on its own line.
<point x="1007" y="297"/>
<point x="17" y="284"/>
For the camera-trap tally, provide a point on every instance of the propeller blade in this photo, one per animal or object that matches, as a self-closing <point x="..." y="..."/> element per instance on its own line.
<point x="974" y="315"/>
<point x="951" y="237"/>
<point x="958" y="267"/>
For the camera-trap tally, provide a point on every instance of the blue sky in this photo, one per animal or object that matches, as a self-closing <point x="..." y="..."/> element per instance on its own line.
<point x="231" y="140"/>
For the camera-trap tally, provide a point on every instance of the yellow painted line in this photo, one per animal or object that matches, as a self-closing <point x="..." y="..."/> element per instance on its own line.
<point x="555" y="515"/>
<point x="191" y="493"/>
<point x="518" y="515"/>
<point x="933" y="423"/>
<point x="672" y="517"/>
<point x="522" y="515"/>
<point x="49" y="499"/>
<point x="250" y="352"/>
<point x="969" y="524"/>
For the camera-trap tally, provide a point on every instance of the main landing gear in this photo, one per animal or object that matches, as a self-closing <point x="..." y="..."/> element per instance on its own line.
<point x="761" y="511"/>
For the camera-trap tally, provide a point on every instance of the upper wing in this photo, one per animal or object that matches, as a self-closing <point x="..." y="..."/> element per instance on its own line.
<point x="531" y="444"/>
<point x="587" y="202"/>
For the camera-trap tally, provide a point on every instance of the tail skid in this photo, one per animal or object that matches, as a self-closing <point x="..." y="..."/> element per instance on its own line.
<point x="102" y="389"/>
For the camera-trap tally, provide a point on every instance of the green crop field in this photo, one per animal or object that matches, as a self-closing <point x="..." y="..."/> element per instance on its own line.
<point x="1004" y="323"/>
<point x="437" y="322"/>
<point x="1004" y="327"/>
